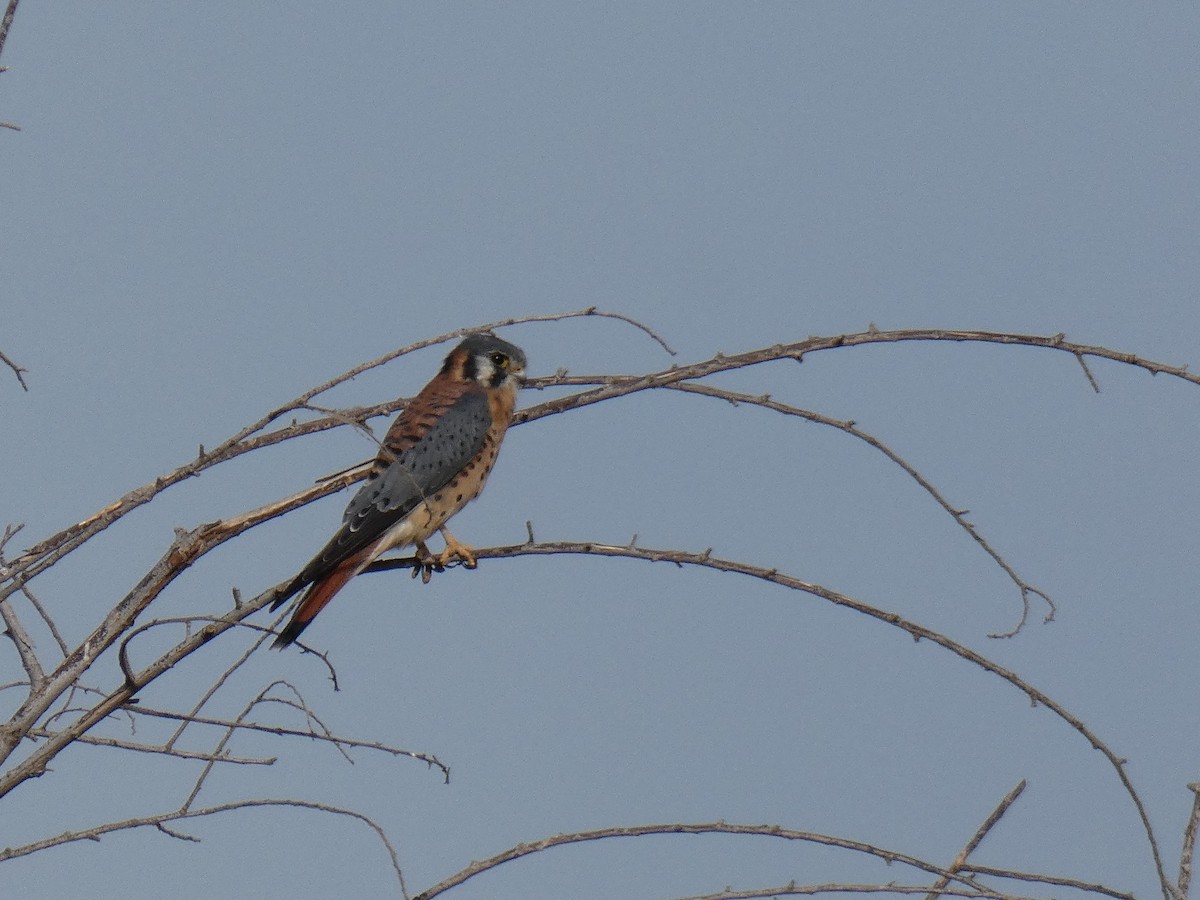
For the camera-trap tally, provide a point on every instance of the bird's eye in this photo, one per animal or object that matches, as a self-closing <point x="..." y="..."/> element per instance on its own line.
<point x="499" y="360"/>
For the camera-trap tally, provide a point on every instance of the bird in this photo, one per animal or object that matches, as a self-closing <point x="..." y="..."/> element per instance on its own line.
<point x="433" y="460"/>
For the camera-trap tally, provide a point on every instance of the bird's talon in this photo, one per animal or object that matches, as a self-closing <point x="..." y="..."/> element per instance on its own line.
<point x="456" y="550"/>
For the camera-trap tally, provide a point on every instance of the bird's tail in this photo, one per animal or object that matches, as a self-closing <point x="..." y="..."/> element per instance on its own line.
<point x="315" y="599"/>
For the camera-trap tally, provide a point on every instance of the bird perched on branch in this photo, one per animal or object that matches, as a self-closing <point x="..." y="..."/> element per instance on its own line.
<point x="431" y="463"/>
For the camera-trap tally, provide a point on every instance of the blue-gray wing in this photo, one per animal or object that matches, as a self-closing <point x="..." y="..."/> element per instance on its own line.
<point x="417" y="472"/>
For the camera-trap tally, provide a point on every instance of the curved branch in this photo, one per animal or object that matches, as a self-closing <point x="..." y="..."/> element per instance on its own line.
<point x="787" y="834"/>
<point x="774" y="576"/>
<point x="188" y="547"/>
<point x="791" y="889"/>
<point x="851" y="428"/>
<point x="160" y="819"/>
<point x="48" y="551"/>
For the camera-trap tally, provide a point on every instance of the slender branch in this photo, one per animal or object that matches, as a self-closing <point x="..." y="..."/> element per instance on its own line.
<point x="281" y="731"/>
<point x="851" y="428"/>
<point x="1184" y="886"/>
<point x="791" y="889"/>
<point x="918" y="632"/>
<point x="159" y="819"/>
<point x="6" y="22"/>
<point x="160" y="749"/>
<point x="45" y="617"/>
<point x="774" y="831"/>
<point x="225" y="738"/>
<point x="219" y="683"/>
<point x="18" y="370"/>
<point x="16" y="632"/>
<point x="988" y="824"/>
<point x="1056" y="881"/>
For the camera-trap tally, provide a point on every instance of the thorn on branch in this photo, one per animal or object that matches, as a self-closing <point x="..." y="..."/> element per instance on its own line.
<point x="529" y="530"/>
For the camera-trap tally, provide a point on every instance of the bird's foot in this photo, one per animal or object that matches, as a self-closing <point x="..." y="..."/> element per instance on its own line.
<point x="426" y="563"/>
<point x="456" y="550"/>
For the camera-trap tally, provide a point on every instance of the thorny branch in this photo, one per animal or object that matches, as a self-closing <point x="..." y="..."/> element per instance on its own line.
<point x="918" y="632"/>
<point x="963" y="885"/>
<point x="51" y="682"/>
<point x="182" y="815"/>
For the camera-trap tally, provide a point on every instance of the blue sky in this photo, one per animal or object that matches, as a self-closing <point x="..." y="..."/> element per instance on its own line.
<point x="212" y="207"/>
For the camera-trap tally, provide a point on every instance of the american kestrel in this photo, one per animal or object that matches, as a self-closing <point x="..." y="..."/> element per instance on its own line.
<point x="431" y="463"/>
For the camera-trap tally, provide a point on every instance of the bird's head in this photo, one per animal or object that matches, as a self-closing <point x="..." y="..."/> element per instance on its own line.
<point x="486" y="359"/>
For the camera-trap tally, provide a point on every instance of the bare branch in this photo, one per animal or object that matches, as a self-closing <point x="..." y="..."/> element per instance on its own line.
<point x="1056" y="881"/>
<point x="774" y="831"/>
<point x="988" y="824"/>
<point x="1189" y="844"/>
<point x="281" y="731"/>
<point x="213" y="688"/>
<point x="24" y="644"/>
<point x="63" y="687"/>
<point x="45" y="617"/>
<point x="160" y="749"/>
<point x="159" y="819"/>
<point x="851" y="428"/>
<point x="791" y="889"/>
<point x="918" y="632"/>
<point x="6" y="22"/>
<point x="1088" y="372"/>
<point x="18" y="370"/>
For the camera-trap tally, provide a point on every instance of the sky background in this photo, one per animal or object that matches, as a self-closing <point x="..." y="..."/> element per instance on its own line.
<point x="212" y="207"/>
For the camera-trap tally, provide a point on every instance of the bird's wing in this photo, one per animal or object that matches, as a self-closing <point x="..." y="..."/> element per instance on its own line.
<point x="420" y="466"/>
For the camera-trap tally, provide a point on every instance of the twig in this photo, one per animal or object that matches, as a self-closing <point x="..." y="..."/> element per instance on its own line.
<point x="980" y="833"/>
<point x="851" y="428"/>
<point x="6" y="22"/>
<point x="431" y="761"/>
<point x="160" y="749"/>
<point x="18" y="370"/>
<point x="1055" y="880"/>
<point x="46" y="617"/>
<point x="98" y="831"/>
<point x="1189" y="844"/>
<point x="212" y="689"/>
<point x="1088" y="372"/>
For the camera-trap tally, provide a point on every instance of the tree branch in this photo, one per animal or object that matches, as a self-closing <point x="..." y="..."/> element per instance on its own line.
<point x="18" y="370"/>
<point x="774" y="576"/>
